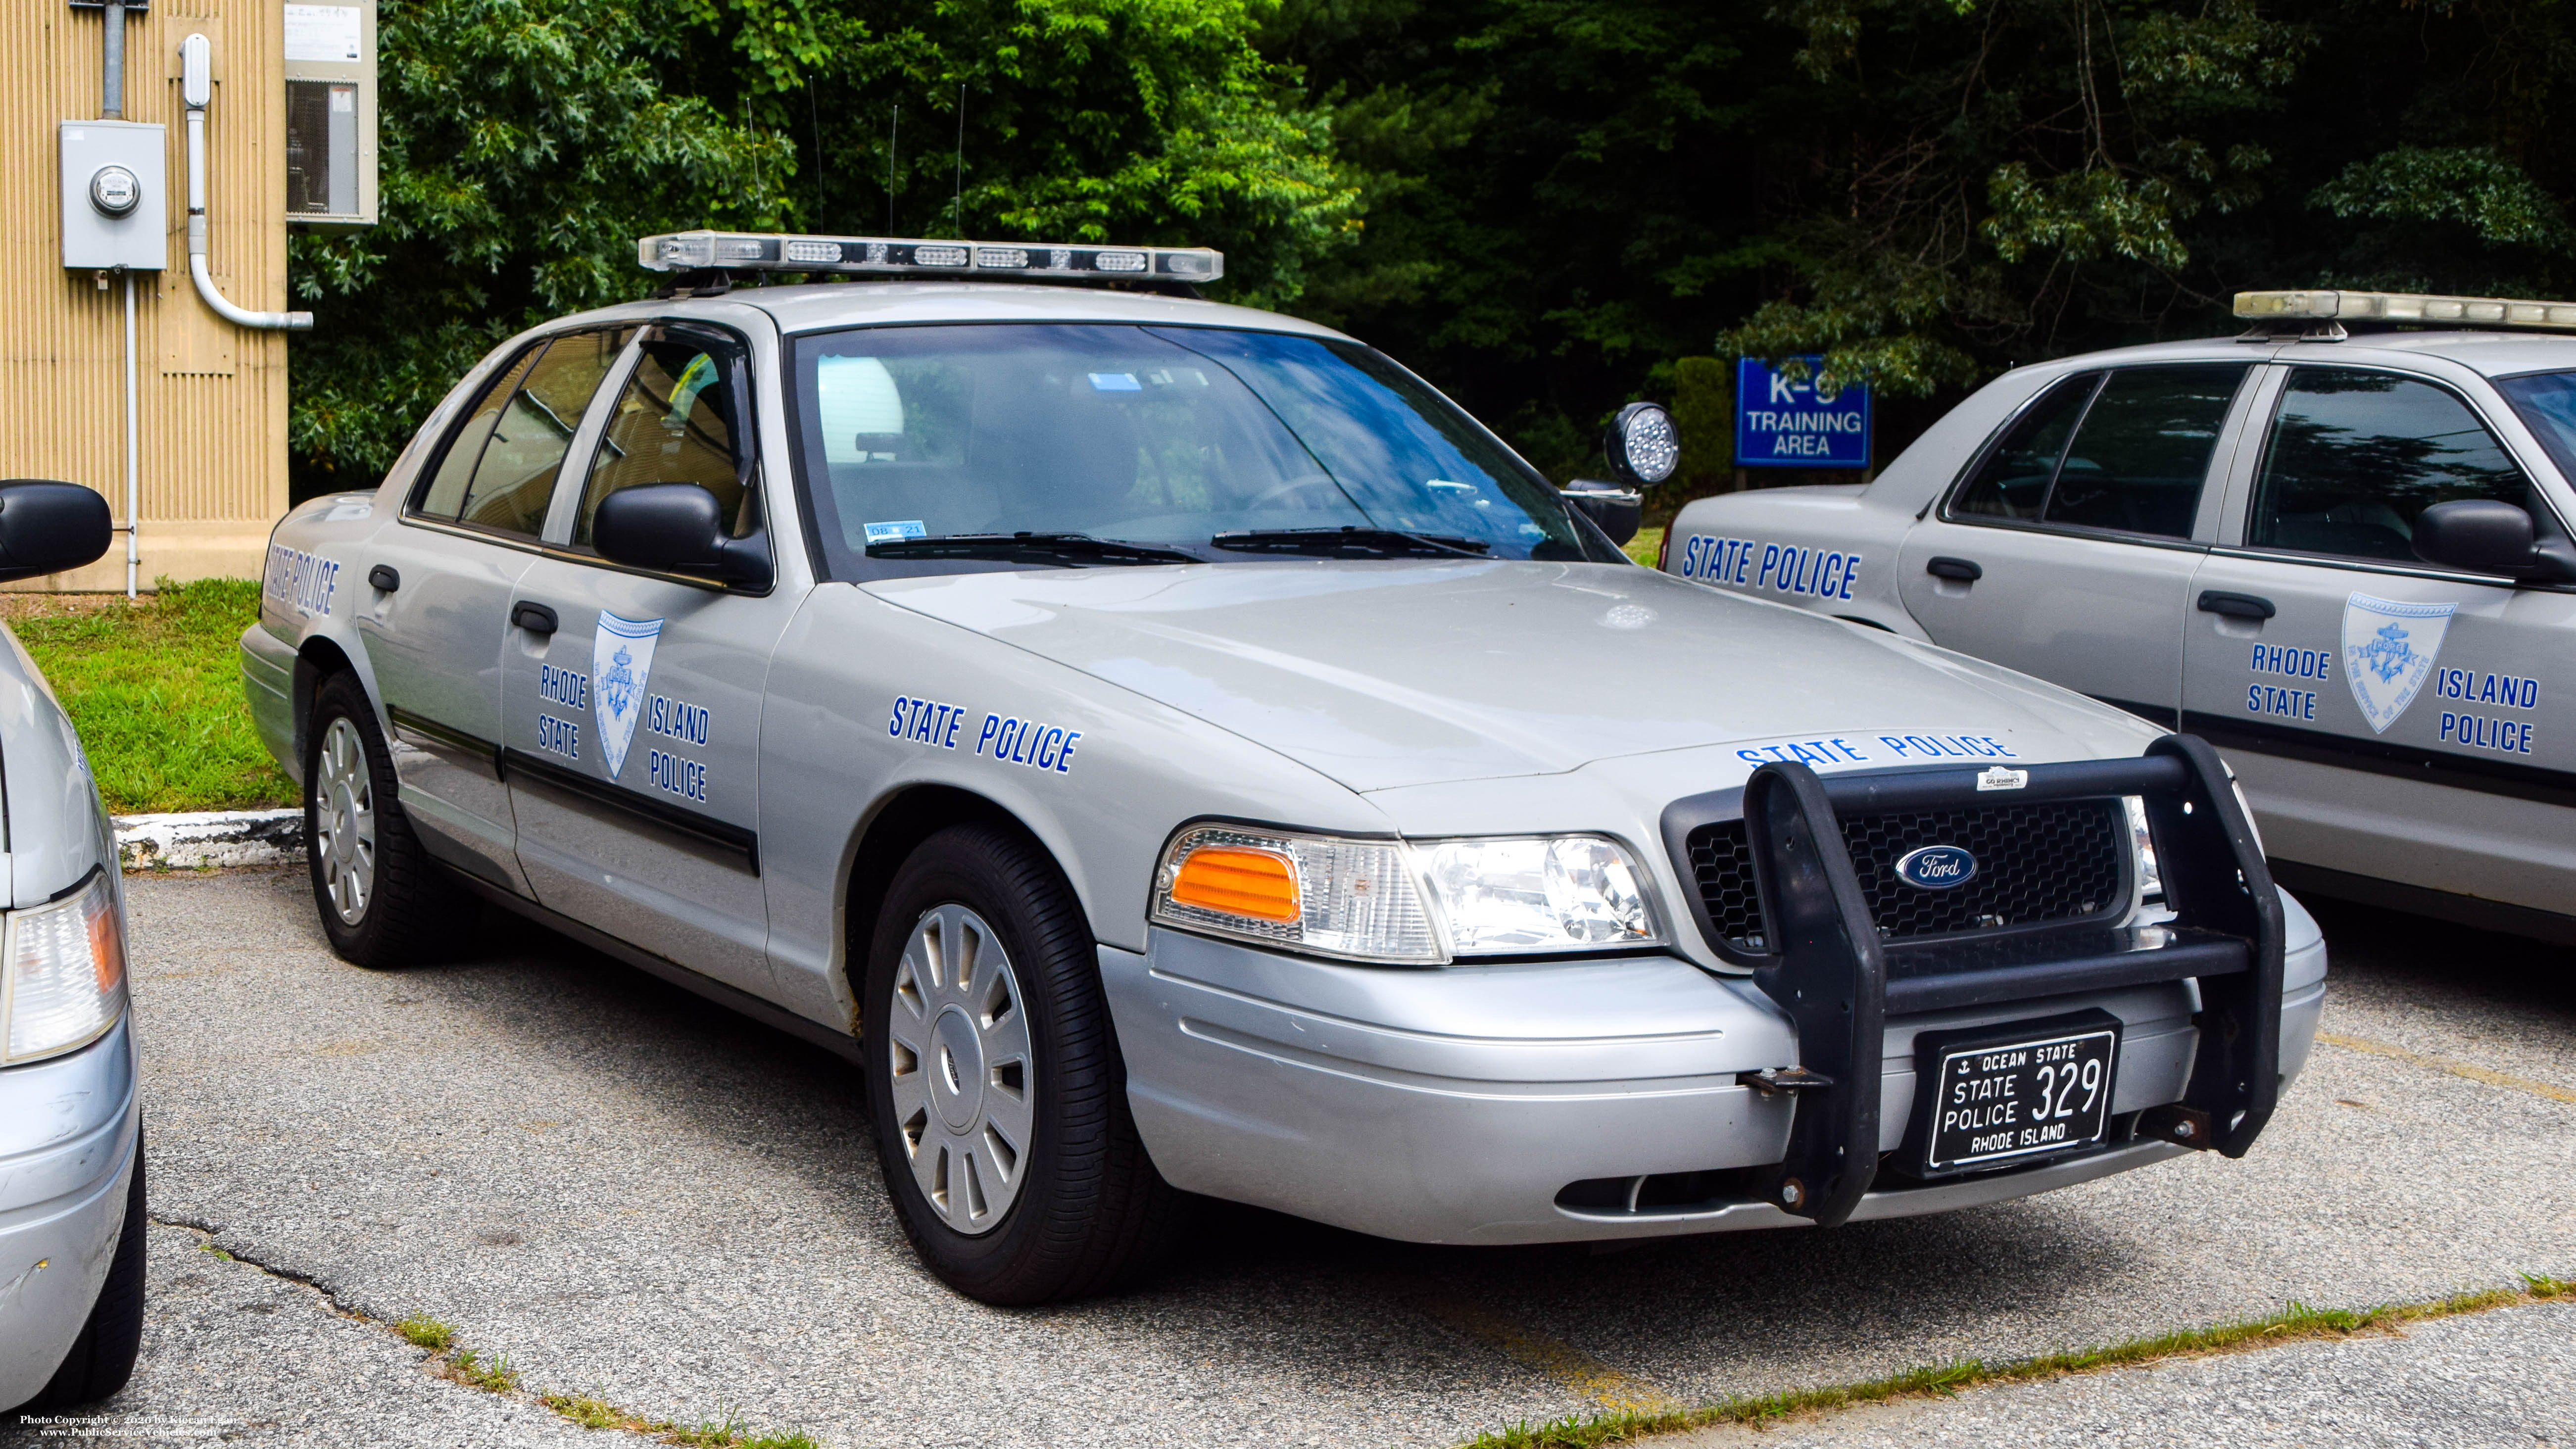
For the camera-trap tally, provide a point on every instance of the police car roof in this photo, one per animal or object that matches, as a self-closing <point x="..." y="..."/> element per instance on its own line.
<point x="822" y="306"/>
<point x="2495" y="354"/>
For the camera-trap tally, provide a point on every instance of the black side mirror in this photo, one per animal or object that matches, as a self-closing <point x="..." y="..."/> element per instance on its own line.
<point x="47" y="527"/>
<point x="677" y="528"/>
<point x="1616" y="510"/>
<point x="1641" y="446"/>
<point x="2480" y="535"/>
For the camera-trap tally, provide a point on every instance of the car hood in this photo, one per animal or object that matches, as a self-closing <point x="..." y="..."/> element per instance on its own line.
<point x="1383" y="675"/>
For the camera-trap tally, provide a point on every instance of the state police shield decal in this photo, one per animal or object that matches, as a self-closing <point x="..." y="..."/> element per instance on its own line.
<point x="2388" y="653"/>
<point x="621" y="659"/>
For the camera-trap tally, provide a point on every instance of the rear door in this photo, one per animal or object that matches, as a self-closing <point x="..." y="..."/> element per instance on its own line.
<point x="2068" y="549"/>
<point x="467" y="533"/>
<point x="2389" y="719"/>
<point x="633" y="699"/>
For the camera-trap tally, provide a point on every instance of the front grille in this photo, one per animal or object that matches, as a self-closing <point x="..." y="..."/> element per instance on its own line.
<point x="2057" y="861"/>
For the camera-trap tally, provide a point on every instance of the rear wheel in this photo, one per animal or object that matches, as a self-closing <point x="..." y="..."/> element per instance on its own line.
<point x="994" y="1081"/>
<point x="102" y="1358"/>
<point x="382" y="900"/>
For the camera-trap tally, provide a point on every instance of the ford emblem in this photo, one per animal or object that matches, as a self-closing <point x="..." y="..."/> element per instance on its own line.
<point x="1936" y="867"/>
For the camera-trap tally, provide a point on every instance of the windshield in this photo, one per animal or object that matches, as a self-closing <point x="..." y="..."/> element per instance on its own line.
<point x="1182" y="440"/>
<point x="2547" y="403"/>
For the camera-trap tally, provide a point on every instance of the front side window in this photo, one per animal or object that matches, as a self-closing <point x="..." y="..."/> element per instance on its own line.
<point x="680" y="420"/>
<point x="2127" y="452"/>
<point x="1166" y="438"/>
<point x="500" y="471"/>
<point x="2355" y="455"/>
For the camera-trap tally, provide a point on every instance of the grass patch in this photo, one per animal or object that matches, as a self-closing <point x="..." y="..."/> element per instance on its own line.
<point x="493" y="1375"/>
<point x="2294" y="1323"/>
<point x="426" y="1333"/>
<point x="1642" y="547"/>
<point x="155" y="690"/>
<point x="729" y="1433"/>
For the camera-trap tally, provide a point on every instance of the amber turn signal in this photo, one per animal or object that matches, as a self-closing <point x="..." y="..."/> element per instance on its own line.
<point x="1239" y="882"/>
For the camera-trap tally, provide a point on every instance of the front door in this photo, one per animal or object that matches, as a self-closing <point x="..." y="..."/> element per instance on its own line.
<point x="466" y="535"/>
<point x="633" y="700"/>
<point x="2387" y="718"/>
<point x="2069" y="549"/>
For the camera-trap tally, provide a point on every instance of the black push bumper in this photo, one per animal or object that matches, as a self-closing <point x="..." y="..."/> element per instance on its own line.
<point x="1839" y="982"/>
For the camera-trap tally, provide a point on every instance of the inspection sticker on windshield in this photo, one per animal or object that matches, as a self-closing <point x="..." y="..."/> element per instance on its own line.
<point x="889" y="532"/>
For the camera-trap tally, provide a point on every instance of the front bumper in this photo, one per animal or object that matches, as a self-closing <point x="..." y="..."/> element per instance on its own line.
<point x="68" y="1133"/>
<point x="1456" y="1105"/>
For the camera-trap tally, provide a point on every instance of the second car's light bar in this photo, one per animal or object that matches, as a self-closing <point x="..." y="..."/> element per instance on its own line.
<point x="738" y="251"/>
<point x="2405" y="307"/>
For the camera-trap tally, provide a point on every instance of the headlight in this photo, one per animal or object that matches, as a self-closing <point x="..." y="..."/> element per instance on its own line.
<point x="64" y="982"/>
<point x="1391" y="901"/>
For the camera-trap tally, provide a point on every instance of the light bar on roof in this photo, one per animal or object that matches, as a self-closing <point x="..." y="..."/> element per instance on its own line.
<point x="739" y="251"/>
<point x="2405" y="307"/>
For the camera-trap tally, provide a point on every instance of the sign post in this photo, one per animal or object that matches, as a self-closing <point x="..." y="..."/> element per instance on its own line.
<point x="1781" y="423"/>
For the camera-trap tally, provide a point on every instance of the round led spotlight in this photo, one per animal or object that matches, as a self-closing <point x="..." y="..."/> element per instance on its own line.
<point x="1642" y="447"/>
<point x="115" y="191"/>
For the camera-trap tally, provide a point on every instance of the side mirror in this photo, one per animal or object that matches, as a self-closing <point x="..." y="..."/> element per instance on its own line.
<point x="1616" y="510"/>
<point x="47" y="527"/>
<point x="2480" y="535"/>
<point x="677" y="528"/>
<point x="1641" y="446"/>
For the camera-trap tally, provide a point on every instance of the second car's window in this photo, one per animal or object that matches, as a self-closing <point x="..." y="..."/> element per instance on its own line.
<point x="676" y="423"/>
<point x="2143" y="450"/>
<point x="516" y="476"/>
<point x="446" y="491"/>
<point x="2013" y="482"/>
<point x="2355" y="455"/>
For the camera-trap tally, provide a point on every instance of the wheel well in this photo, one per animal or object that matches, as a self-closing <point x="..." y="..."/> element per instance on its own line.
<point x="897" y="829"/>
<point x="318" y="660"/>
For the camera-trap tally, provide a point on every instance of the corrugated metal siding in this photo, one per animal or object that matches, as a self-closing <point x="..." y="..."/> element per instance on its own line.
<point x="212" y="397"/>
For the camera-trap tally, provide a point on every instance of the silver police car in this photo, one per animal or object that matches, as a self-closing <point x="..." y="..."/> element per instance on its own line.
<point x="1174" y="751"/>
<point x="71" y="1138"/>
<point x="2337" y="547"/>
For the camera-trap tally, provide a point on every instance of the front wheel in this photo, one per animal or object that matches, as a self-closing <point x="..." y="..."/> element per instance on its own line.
<point x="383" y="901"/>
<point x="994" y="1081"/>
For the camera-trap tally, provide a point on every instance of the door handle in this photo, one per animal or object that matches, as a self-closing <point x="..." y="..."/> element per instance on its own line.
<point x="2236" y="606"/>
<point x="533" y="617"/>
<point x="385" y="577"/>
<point x="1962" y="569"/>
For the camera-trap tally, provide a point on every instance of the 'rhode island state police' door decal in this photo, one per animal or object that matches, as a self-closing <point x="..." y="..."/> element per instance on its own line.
<point x="2388" y="653"/>
<point x="621" y="659"/>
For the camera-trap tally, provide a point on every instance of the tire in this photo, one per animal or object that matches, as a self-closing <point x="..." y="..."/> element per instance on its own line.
<point x="102" y="1358"/>
<point x="961" y="1037"/>
<point x="383" y="901"/>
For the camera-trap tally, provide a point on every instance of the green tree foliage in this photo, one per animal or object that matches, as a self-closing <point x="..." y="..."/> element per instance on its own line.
<point x="1544" y="205"/>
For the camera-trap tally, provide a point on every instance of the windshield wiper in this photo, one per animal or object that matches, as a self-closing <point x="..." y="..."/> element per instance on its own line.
<point x="1068" y="547"/>
<point x="1351" y="542"/>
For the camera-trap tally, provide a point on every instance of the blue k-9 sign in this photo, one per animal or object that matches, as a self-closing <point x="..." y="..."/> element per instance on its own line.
<point x="1780" y="423"/>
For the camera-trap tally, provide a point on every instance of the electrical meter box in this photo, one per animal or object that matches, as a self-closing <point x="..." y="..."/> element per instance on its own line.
<point x="331" y="114"/>
<point x="116" y="209"/>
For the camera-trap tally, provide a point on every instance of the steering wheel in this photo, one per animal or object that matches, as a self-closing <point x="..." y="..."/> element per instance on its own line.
<point x="1303" y="482"/>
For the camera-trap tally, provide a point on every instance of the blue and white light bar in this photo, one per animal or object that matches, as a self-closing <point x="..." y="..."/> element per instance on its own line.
<point x="2412" y="307"/>
<point x="740" y="251"/>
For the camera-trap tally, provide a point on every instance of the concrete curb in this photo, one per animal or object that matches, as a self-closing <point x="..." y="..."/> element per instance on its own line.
<point x="199" y="839"/>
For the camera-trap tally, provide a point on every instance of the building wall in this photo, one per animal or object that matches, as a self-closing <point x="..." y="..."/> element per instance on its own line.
<point x="211" y="397"/>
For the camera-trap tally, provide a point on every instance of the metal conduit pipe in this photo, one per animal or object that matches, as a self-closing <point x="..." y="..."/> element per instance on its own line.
<point x="196" y="88"/>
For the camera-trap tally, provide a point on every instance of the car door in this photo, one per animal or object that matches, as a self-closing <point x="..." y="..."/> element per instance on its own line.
<point x="2387" y="717"/>
<point x="2067" y="550"/>
<point x="631" y="737"/>
<point x="467" y="532"/>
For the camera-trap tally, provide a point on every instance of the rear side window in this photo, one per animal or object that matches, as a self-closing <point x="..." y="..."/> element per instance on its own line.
<point x="500" y="471"/>
<point x="2355" y="455"/>
<point x="2128" y="451"/>
<point x="680" y="420"/>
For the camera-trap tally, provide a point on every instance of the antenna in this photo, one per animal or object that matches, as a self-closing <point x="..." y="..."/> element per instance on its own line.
<point x="957" y="206"/>
<point x="894" y="124"/>
<point x="815" y="109"/>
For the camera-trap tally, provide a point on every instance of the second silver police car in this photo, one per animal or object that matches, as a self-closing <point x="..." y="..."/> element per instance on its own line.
<point x="1174" y="751"/>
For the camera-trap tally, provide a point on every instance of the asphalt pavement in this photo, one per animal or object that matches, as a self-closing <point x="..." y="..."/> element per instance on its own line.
<point x="635" y="1196"/>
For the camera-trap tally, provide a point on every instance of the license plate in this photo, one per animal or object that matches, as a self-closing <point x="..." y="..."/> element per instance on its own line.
<point x="2004" y="1094"/>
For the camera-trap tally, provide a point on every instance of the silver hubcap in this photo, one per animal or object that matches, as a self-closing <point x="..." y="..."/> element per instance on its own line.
<point x="344" y="815"/>
<point x="963" y="1079"/>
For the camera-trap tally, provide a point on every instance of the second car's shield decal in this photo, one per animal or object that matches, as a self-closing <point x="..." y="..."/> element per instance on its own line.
<point x="2388" y="652"/>
<point x="621" y="659"/>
